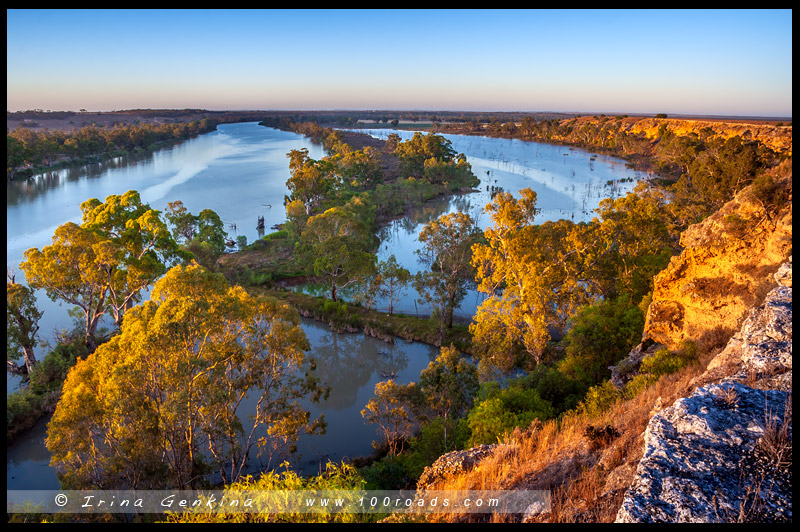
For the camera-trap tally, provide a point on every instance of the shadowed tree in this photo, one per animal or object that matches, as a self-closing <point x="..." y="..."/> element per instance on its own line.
<point x="22" y="325"/>
<point x="448" y="385"/>
<point x="161" y="404"/>
<point x="335" y="244"/>
<point x="392" y="409"/>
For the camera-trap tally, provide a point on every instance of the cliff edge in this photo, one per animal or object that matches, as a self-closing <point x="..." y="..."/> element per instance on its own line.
<point x="725" y="268"/>
<point x="724" y="454"/>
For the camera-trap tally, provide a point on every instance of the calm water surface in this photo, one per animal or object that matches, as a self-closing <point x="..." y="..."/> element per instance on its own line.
<point x="240" y="172"/>
<point x="569" y="184"/>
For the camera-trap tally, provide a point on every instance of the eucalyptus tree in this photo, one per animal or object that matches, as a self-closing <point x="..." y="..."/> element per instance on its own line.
<point x="310" y="180"/>
<point x="449" y="385"/>
<point x="336" y="245"/>
<point x="22" y="325"/>
<point x="161" y="404"/>
<point x="101" y="266"/>
<point x="447" y="251"/>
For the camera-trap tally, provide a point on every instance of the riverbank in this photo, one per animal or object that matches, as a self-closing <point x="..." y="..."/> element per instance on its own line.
<point x="73" y="163"/>
<point x="344" y="317"/>
<point x="270" y="264"/>
<point x="69" y="121"/>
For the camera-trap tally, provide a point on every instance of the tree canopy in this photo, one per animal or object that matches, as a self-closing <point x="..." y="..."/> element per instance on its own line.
<point x="22" y="324"/>
<point x="103" y="265"/>
<point x="336" y="244"/>
<point x="447" y="250"/>
<point x="160" y="405"/>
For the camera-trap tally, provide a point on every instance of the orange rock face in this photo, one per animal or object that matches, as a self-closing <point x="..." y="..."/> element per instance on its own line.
<point x="723" y="271"/>
<point x="778" y="138"/>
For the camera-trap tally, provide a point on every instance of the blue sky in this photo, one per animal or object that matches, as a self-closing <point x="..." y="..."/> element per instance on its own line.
<point x="714" y="62"/>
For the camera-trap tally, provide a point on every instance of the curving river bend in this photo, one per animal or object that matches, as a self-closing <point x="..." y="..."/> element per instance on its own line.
<point x="240" y="171"/>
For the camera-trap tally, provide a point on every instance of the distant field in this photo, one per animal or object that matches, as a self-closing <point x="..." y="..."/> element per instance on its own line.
<point x="79" y="120"/>
<point x="70" y="121"/>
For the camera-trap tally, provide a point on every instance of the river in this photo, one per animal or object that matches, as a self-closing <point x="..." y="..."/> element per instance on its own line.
<point x="569" y="183"/>
<point x="240" y="171"/>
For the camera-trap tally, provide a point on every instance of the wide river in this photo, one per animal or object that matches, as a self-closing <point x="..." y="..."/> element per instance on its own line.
<point x="240" y="171"/>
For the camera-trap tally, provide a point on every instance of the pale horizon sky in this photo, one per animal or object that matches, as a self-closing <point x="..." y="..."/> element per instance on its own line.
<point x="708" y="62"/>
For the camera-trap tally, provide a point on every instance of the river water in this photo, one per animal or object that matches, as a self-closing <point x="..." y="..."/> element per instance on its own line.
<point x="569" y="184"/>
<point x="240" y="172"/>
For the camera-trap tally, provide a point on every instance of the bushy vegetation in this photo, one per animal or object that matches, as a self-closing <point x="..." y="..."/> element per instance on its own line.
<point x="29" y="404"/>
<point x="600" y="336"/>
<point x="589" y="283"/>
<point x="342" y="479"/>
<point x="662" y="362"/>
<point x="500" y="410"/>
<point x="28" y="149"/>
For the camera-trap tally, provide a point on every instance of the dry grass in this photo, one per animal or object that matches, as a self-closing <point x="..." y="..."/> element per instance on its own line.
<point x="776" y="441"/>
<point x="556" y="455"/>
<point x="726" y="398"/>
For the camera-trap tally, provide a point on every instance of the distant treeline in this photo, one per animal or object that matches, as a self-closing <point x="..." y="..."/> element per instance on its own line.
<point x="703" y="169"/>
<point x="27" y="150"/>
<point x="222" y="116"/>
<point x="386" y="116"/>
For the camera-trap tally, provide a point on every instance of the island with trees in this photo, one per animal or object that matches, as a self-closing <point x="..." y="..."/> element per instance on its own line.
<point x="565" y="301"/>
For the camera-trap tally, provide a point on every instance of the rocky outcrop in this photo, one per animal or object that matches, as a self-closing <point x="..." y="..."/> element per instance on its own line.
<point x="453" y="463"/>
<point x="760" y="354"/>
<point x="705" y="292"/>
<point x="724" y="453"/>
<point x="700" y="462"/>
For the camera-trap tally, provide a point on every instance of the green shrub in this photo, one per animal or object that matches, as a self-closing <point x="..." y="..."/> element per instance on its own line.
<point x="428" y="445"/>
<point x="600" y="335"/>
<point x="599" y="399"/>
<point x="664" y="361"/>
<point x="503" y="410"/>
<point x="638" y="384"/>
<point x="259" y="278"/>
<point x="22" y="405"/>
<point x="50" y="372"/>
<point x="389" y="473"/>
<point x="276" y="235"/>
<point x="335" y="308"/>
<point x="769" y="191"/>
<point x="555" y="387"/>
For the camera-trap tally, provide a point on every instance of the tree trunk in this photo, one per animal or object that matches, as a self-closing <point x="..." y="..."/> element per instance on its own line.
<point x="13" y="367"/>
<point x="30" y="357"/>
<point x="91" y="329"/>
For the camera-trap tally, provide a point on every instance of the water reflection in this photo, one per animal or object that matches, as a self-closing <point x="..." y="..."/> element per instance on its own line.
<point x="235" y="171"/>
<point x="241" y="169"/>
<point x="351" y="364"/>
<point x="27" y="190"/>
<point x="28" y="461"/>
<point x="569" y="182"/>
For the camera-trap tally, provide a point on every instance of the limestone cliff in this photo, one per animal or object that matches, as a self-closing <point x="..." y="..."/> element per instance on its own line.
<point x="724" y="270"/>
<point x="778" y="138"/>
<point x="723" y="454"/>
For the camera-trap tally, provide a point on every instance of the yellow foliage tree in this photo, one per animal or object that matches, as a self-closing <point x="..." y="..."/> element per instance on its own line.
<point x="159" y="405"/>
